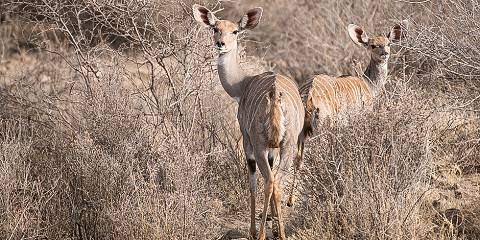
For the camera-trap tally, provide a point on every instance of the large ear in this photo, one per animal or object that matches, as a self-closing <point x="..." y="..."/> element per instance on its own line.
<point x="397" y="31"/>
<point x="203" y="15"/>
<point x="357" y="35"/>
<point x="251" y="19"/>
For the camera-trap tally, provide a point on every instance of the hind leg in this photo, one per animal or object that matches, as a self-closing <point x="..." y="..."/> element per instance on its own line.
<point x="287" y="156"/>
<point x="277" y="201"/>
<point x="263" y="165"/>
<point x="252" y="179"/>
<point x="272" y="154"/>
<point x="297" y="165"/>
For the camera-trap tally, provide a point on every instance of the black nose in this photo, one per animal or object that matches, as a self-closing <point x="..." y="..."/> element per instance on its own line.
<point x="220" y="44"/>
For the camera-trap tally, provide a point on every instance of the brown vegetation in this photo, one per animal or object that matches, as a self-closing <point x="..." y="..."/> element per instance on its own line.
<point x="113" y="124"/>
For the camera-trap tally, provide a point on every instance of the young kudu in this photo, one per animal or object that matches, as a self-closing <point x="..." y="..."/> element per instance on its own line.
<point x="324" y="96"/>
<point x="270" y="113"/>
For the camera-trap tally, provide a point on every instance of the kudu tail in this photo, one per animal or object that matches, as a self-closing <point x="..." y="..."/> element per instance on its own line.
<point x="310" y="117"/>
<point x="276" y="119"/>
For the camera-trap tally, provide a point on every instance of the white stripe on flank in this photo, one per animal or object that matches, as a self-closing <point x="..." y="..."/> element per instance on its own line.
<point x="258" y="95"/>
<point x="253" y="101"/>
<point x="288" y="91"/>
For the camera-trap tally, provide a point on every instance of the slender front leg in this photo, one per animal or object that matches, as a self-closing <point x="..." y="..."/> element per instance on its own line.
<point x="252" y="178"/>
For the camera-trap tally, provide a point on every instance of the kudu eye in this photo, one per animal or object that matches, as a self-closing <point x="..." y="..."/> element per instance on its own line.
<point x="373" y="46"/>
<point x="235" y="32"/>
<point x="215" y="30"/>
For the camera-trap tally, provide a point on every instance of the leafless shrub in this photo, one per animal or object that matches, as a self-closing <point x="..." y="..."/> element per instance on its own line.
<point x="307" y="37"/>
<point x="440" y="44"/>
<point x="128" y="140"/>
<point x="114" y="125"/>
<point x="366" y="179"/>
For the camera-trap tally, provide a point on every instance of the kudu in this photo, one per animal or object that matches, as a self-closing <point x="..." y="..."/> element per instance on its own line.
<point x="270" y="113"/>
<point x="324" y="96"/>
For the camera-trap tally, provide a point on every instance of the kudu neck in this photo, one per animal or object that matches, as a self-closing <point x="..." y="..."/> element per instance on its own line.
<point x="376" y="74"/>
<point x="231" y="74"/>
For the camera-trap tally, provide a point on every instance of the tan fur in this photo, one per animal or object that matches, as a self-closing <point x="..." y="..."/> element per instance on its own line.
<point x="324" y="96"/>
<point x="310" y="115"/>
<point x="276" y="126"/>
<point x="328" y="95"/>
<point x="266" y="102"/>
<point x="378" y="41"/>
<point x="378" y="46"/>
<point x="225" y="33"/>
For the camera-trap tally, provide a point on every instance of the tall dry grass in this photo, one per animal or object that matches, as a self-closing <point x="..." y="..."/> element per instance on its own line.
<point x="366" y="179"/>
<point x="114" y="124"/>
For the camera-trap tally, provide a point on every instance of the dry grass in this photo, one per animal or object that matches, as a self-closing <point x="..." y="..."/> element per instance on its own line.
<point x="117" y="127"/>
<point x="366" y="178"/>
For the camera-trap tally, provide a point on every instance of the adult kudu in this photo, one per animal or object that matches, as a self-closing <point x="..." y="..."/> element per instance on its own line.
<point x="270" y="113"/>
<point x="325" y="96"/>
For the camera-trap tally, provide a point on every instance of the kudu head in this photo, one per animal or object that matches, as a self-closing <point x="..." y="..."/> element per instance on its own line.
<point x="225" y="32"/>
<point x="378" y="46"/>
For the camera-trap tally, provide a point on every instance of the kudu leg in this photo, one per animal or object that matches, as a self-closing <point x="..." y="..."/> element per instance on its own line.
<point x="296" y="169"/>
<point x="269" y="179"/>
<point x="272" y="154"/>
<point x="268" y="193"/>
<point x="287" y="156"/>
<point x="252" y="178"/>
<point x="277" y="195"/>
